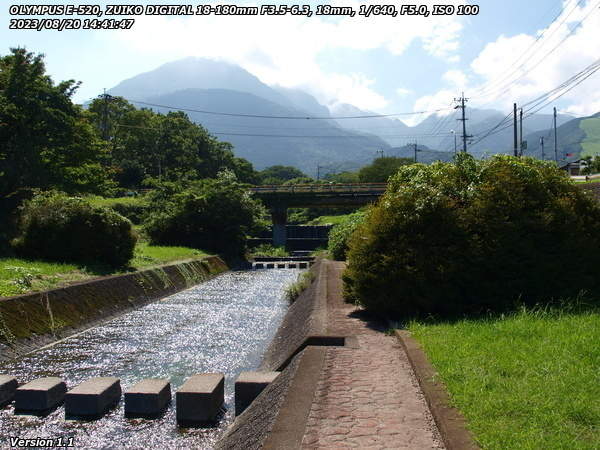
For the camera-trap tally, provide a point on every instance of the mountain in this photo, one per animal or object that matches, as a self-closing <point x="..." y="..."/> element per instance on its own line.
<point x="579" y="137"/>
<point x="299" y="145"/>
<point x="424" y="154"/>
<point x="434" y="131"/>
<point x="199" y="73"/>
<point x="332" y="141"/>
<point x="303" y="101"/>
<point x="392" y="131"/>
<point x="204" y="84"/>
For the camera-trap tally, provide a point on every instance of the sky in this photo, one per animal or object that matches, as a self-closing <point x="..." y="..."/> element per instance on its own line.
<point x="512" y="51"/>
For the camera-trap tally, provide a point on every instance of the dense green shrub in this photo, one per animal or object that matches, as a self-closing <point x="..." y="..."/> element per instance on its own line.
<point x="475" y="236"/>
<point x="214" y="215"/>
<point x="133" y="208"/>
<point x="340" y="235"/>
<point x="57" y="227"/>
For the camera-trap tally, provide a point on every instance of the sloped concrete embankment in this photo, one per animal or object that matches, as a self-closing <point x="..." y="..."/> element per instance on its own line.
<point x="30" y="321"/>
<point x="277" y="417"/>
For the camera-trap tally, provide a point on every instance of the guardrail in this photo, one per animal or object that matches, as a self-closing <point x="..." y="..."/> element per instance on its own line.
<point x="319" y="188"/>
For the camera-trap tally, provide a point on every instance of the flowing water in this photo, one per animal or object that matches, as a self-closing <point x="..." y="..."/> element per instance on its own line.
<point x="223" y="325"/>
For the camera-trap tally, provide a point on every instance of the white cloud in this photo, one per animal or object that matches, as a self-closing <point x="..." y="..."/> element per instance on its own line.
<point x="403" y="92"/>
<point x="283" y="50"/>
<point x="552" y="60"/>
<point x="456" y="78"/>
<point x="547" y="63"/>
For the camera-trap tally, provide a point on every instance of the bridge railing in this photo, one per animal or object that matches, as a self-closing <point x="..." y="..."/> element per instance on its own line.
<point x="318" y="188"/>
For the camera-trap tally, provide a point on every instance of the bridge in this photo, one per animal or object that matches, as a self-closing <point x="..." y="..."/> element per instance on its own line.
<point x="278" y="198"/>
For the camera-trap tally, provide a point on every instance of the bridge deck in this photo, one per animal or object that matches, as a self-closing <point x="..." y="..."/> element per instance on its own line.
<point x="321" y="188"/>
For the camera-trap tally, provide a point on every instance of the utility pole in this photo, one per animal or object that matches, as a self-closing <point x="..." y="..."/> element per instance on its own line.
<point x="319" y="172"/>
<point x="454" y="134"/>
<point x="106" y="98"/>
<point x="515" y="129"/>
<point x="462" y="106"/>
<point x="380" y="152"/>
<point x="555" y="138"/>
<point x="521" y="132"/>
<point x="416" y="150"/>
<point x="542" y="145"/>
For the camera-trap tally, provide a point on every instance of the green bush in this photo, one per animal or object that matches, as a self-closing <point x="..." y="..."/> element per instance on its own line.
<point x="57" y="227"/>
<point x="133" y="208"/>
<point x="475" y="236"/>
<point x="340" y="234"/>
<point x="211" y="214"/>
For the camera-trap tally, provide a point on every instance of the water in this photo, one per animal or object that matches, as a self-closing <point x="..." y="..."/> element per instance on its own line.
<point x="223" y="325"/>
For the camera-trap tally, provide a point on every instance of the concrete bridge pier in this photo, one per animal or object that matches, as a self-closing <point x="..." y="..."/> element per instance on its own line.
<point x="279" y="217"/>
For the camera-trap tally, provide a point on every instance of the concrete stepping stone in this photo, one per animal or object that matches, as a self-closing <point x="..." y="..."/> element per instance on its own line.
<point x="270" y="266"/>
<point x="93" y="397"/>
<point x="200" y="398"/>
<point x="248" y="386"/>
<point x="291" y="265"/>
<point x="40" y="395"/>
<point x="8" y="387"/>
<point x="147" y="398"/>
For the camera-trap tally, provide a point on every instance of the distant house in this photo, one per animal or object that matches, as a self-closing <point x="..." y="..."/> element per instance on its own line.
<point x="573" y="168"/>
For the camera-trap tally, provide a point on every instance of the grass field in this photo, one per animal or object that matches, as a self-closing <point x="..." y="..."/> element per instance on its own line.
<point x="327" y="220"/>
<point x="108" y="202"/>
<point x="19" y="276"/>
<point x="530" y="380"/>
<point x="591" y="146"/>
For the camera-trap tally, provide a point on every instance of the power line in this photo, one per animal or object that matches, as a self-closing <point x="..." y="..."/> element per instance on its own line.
<point x="562" y="41"/>
<point x="260" y="116"/>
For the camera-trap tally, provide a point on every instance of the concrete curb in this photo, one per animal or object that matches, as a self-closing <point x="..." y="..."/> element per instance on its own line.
<point x="289" y="427"/>
<point x="451" y="423"/>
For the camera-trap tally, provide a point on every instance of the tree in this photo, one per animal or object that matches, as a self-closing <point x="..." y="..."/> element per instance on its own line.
<point x="214" y="214"/>
<point x="45" y="140"/>
<point x="475" y="236"/>
<point x="169" y="147"/>
<point x="280" y="174"/>
<point x="382" y="168"/>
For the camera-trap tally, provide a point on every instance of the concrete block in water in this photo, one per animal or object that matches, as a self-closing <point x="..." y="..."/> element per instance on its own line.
<point x="148" y="397"/>
<point x="281" y="265"/>
<point x="8" y="387"/>
<point x="259" y="266"/>
<point x="93" y="397"/>
<point x="270" y="266"/>
<point x="302" y="265"/>
<point x="200" y="398"/>
<point x="248" y="386"/>
<point x="40" y="395"/>
<point x="291" y="265"/>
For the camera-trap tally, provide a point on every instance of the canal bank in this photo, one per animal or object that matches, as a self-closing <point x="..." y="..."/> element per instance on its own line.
<point x="223" y="325"/>
<point x="30" y="321"/>
<point x="352" y="386"/>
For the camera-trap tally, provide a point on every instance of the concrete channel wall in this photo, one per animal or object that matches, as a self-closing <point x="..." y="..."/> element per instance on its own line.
<point x="275" y="419"/>
<point x="30" y="321"/>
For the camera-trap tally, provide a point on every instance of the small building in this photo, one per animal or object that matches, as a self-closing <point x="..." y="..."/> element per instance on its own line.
<point x="573" y="168"/>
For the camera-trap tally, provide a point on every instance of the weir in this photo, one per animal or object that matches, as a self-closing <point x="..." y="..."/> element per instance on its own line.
<point x="221" y="326"/>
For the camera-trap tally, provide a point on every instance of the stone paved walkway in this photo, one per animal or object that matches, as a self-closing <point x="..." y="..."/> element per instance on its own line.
<point x="366" y="397"/>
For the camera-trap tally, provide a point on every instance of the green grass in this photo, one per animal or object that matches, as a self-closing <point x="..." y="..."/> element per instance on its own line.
<point x="591" y="144"/>
<point x="266" y="250"/>
<point x="19" y="276"/>
<point x="108" y="202"/>
<point x="530" y="380"/>
<point x="151" y="255"/>
<point x="328" y="220"/>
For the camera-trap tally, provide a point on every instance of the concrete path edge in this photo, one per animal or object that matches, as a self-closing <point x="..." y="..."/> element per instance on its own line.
<point x="451" y="423"/>
<point x="290" y="424"/>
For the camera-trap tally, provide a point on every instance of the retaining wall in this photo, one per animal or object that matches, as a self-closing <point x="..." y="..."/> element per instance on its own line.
<point x="30" y="321"/>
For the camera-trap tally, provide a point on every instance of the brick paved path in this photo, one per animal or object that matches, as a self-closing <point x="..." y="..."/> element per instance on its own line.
<point x="366" y="397"/>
